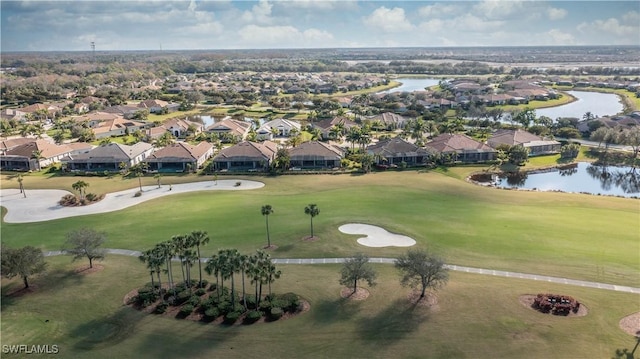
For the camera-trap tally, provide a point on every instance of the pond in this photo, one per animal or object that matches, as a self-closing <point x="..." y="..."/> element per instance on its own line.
<point x="599" y="104"/>
<point x="579" y="177"/>
<point x="412" y="84"/>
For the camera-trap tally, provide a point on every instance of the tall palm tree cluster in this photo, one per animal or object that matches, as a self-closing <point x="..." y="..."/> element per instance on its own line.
<point x="227" y="265"/>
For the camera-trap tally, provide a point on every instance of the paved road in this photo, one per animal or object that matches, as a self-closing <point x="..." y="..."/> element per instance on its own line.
<point x="497" y="273"/>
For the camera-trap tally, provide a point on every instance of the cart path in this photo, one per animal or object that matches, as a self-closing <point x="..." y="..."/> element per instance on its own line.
<point x="497" y="273"/>
<point x="42" y="204"/>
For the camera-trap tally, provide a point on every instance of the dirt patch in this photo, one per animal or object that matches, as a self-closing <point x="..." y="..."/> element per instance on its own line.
<point x="631" y="324"/>
<point x="84" y="270"/>
<point x="310" y="238"/>
<point x="360" y="294"/>
<point x="430" y="300"/>
<point x="272" y="247"/>
<point x="527" y="301"/>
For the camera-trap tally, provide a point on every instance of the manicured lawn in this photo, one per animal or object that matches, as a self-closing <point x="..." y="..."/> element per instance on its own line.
<point x="477" y="317"/>
<point x="568" y="235"/>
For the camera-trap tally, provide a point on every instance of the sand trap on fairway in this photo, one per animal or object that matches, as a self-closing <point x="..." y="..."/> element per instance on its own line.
<point x="42" y="204"/>
<point x="376" y="236"/>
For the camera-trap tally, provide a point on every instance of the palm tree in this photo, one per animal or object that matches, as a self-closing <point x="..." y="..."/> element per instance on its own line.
<point x="266" y="211"/>
<point x="212" y="267"/>
<point x="20" y="179"/>
<point x="243" y="261"/>
<point x="271" y="273"/>
<point x="199" y="238"/>
<point x="179" y="244"/>
<point x="353" y="136"/>
<point x="154" y="261"/>
<point x="37" y="156"/>
<point x="80" y="187"/>
<point x="138" y="170"/>
<point x="312" y="210"/>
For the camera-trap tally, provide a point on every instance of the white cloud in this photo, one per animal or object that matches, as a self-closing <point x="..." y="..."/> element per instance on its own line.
<point x="614" y="26"/>
<point x="558" y="37"/>
<point x="260" y="13"/>
<point x="438" y="10"/>
<point x="632" y="17"/>
<point x="556" y="14"/>
<point x="496" y="9"/>
<point x="283" y="36"/>
<point x="388" y="20"/>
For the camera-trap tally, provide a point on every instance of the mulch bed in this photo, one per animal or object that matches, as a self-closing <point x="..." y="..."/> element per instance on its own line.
<point x="430" y="300"/>
<point x="86" y="270"/>
<point x="528" y="299"/>
<point x="631" y="324"/>
<point x="197" y="316"/>
<point x="360" y="294"/>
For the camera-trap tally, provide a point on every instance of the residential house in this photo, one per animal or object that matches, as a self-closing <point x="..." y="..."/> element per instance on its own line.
<point x="325" y="125"/>
<point x="278" y="128"/>
<point x="394" y="151"/>
<point x="536" y="144"/>
<point x="229" y="128"/>
<point x="390" y="120"/>
<point x="315" y="155"/>
<point x="246" y="156"/>
<point x="126" y="111"/>
<point x="33" y="155"/>
<point x="158" y="106"/>
<point x="181" y="128"/>
<point x="461" y="148"/>
<point x="108" y="157"/>
<point x="117" y="127"/>
<point x="8" y="144"/>
<point x="12" y="114"/>
<point x="179" y="157"/>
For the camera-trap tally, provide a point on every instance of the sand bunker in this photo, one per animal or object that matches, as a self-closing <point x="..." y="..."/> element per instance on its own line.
<point x="376" y="236"/>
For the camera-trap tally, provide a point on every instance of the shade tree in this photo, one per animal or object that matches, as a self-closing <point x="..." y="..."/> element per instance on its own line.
<point x="23" y="262"/>
<point x="355" y="269"/>
<point x="85" y="243"/>
<point x="423" y="270"/>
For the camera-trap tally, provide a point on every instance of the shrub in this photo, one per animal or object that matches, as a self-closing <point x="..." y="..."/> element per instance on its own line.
<point x="252" y="316"/>
<point x="265" y="306"/>
<point x="224" y="307"/>
<point x="138" y="194"/>
<point x="211" y="313"/>
<point x="200" y="291"/>
<point x="146" y="296"/>
<point x="186" y="310"/>
<point x="213" y="287"/>
<point x="182" y="297"/>
<point x="203" y="283"/>
<point x="291" y="302"/>
<point x="251" y="302"/>
<point x="231" y="317"/>
<point x="68" y="200"/>
<point x="275" y="313"/>
<point x="91" y="197"/>
<point x="194" y="300"/>
<point x="161" y="308"/>
<point x="238" y="184"/>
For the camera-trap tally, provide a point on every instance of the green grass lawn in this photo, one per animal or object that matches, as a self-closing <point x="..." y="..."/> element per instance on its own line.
<point x="476" y="317"/>
<point x="568" y="235"/>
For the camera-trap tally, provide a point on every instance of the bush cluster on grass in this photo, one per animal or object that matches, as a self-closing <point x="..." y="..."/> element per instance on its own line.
<point x="212" y="304"/>
<point x="556" y="304"/>
<point x="70" y="200"/>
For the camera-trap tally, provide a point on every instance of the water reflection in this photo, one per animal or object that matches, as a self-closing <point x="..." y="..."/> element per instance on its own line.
<point x="580" y="177"/>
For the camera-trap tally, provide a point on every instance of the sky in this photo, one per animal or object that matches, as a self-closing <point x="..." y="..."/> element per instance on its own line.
<point x="201" y="24"/>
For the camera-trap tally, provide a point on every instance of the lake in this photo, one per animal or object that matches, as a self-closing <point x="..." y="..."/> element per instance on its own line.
<point x="412" y="84"/>
<point x="599" y="104"/>
<point x="580" y="177"/>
